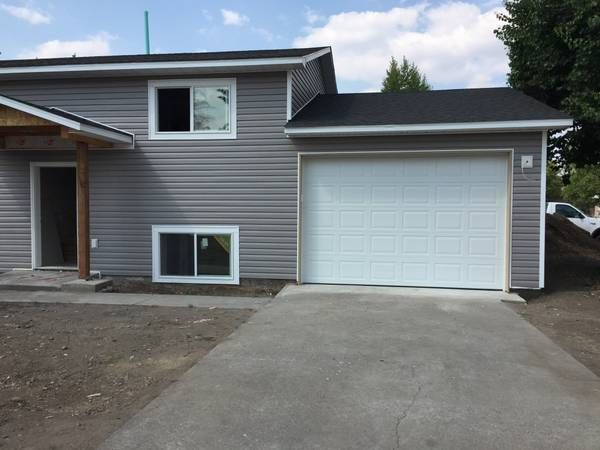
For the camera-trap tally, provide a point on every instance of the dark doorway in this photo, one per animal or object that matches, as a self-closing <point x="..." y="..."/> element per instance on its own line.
<point x="58" y="216"/>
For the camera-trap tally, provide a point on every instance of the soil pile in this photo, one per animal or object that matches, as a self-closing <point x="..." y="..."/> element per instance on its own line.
<point x="572" y="256"/>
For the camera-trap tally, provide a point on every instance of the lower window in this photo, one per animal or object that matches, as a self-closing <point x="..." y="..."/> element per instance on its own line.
<point x="195" y="254"/>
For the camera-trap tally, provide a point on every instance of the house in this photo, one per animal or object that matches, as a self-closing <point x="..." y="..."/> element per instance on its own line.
<point x="216" y="167"/>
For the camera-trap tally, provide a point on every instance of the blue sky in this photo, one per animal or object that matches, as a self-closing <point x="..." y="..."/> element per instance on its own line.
<point x="452" y="41"/>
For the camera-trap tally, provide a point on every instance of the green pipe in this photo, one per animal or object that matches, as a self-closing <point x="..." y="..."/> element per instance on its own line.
<point x="147" y="32"/>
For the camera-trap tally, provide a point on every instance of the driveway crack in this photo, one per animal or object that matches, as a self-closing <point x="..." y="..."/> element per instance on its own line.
<point x="404" y="414"/>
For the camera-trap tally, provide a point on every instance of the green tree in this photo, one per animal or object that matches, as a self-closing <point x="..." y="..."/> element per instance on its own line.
<point x="584" y="189"/>
<point x="554" y="55"/>
<point x="406" y="77"/>
<point x="554" y="183"/>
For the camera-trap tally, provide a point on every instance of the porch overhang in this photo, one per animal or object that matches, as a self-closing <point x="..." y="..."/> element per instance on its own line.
<point x="20" y="118"/>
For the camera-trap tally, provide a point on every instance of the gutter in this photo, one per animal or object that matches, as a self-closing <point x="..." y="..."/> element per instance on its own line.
<point x="431" y="128"/>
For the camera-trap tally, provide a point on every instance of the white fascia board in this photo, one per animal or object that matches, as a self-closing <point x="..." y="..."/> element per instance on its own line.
<point x="159" y="65"/>
<point x="288" y="95"/>
<point x="107" y="135"/>
<point x="479" y="127"/>
<point x="316" y="54"/>
<point x="103" y="131"/>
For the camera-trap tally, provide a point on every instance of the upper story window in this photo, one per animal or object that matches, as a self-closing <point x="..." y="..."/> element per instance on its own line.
<point x="192" y="109"/>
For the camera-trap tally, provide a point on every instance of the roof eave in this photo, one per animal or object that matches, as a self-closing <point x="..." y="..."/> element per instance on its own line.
<point x="101" y="132"/>
<point x="223" y="65"/>
<point x="440" y="128"/>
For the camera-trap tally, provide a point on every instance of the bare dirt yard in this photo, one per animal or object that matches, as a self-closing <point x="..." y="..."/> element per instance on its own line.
<point x="246" y="288"/>
<point x="71" y="374"/>
<point x="568" y="310"/>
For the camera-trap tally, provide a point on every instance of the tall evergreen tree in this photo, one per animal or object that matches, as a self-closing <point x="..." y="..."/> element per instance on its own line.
<point x="406" y="77"/>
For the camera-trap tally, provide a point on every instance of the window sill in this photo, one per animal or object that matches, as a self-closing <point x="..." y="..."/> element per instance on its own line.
<point x="195" y="280"/>
<point x="190" y="136"/>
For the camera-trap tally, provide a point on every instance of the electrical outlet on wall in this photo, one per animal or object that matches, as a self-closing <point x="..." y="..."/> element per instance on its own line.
<point x="526" y="162"/>
<point x="94" y="243"/>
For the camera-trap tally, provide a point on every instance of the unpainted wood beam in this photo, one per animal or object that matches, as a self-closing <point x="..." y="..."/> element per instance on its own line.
<point x="68" y="134"/>
<point x="14" y="118"/>
<point x="83" y="211"/>
<point x="38" y="130"/>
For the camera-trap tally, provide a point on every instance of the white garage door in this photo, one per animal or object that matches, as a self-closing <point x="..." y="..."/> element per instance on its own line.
<point x="405" y="221"/>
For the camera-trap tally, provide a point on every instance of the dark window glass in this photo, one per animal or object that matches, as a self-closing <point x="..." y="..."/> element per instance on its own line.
<point x="568" y="212"/>
<point x="173" y="109"/>
<point x="177" y="254"/>
<point x="214" y="253"/>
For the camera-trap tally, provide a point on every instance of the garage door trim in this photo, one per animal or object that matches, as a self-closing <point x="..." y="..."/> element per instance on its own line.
<point x="509" y="152"/>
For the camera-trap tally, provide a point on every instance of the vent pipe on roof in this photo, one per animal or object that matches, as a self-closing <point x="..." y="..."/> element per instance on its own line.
<point x="147" y="29"/>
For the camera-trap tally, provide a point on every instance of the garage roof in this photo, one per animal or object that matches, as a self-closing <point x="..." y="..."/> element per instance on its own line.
<point x="483" y="109"/>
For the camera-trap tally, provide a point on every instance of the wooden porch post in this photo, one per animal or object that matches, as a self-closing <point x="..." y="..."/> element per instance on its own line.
<point x="83" y="211"/>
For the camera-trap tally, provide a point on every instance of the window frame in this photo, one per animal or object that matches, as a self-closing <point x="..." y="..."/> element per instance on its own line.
<point x="234" y="259"/>
<point x="154" y="85"/>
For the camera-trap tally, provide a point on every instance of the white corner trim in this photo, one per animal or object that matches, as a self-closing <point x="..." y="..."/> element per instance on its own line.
<point x="161" y="65"/>
<point x="234" y="258"/>
<point x="371" y="130"/>
<point x="154" y="134"/>
<point x="542" y="259"/>
<point x="288" y="96"/>
<point x="113" y="135"/>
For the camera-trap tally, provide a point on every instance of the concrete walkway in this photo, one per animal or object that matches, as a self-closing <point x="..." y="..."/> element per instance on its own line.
<point x="198" y="301"/>
<point x="339" y="368"/>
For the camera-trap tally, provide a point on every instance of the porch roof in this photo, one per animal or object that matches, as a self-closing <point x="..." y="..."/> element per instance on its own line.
<point x="21" y="118"/>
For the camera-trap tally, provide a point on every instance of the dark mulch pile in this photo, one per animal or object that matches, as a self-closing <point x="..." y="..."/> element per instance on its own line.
<point x="572" y="256"/>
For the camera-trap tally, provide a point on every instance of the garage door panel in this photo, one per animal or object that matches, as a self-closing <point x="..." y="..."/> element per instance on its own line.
<point x="413" y="221"/>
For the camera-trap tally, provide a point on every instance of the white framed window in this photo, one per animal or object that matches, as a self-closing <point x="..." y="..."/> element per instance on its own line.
<point x="195" y="254"/>
<point x="192" y="109"/>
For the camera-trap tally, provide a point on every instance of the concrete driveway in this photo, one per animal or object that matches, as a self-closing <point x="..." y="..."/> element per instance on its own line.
<point x="377" y="368"/>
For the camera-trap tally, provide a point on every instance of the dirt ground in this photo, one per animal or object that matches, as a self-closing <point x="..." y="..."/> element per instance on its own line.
<point x="246" y="288"/>
<point x="568" y="310"/>
<point x="71" y="374"/>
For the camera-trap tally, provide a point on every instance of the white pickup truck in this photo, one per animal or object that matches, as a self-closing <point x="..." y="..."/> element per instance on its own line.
<point x="584" y="222"/>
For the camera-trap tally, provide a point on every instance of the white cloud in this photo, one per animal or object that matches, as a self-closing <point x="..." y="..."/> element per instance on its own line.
<point x="30" y="15"/>
<point x="96" y="45"/>
<point x="452" y="43"/>
<point x="264" y="33"/>
<point x="233" y="18"/>
<point x="312" y="16"/>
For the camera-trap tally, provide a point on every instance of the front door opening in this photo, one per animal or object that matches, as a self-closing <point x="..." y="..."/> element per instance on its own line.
<point x="58" y="217"/>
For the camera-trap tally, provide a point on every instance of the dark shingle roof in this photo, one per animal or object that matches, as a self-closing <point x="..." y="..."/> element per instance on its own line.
<point x="429" y="107"/>
<point x="163" y="57"/>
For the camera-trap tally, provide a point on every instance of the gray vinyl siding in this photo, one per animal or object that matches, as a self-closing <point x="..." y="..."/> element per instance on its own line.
<point x="250" y="182"/>
<point x="526" y="187"/>
<point x="306" y="83"/>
